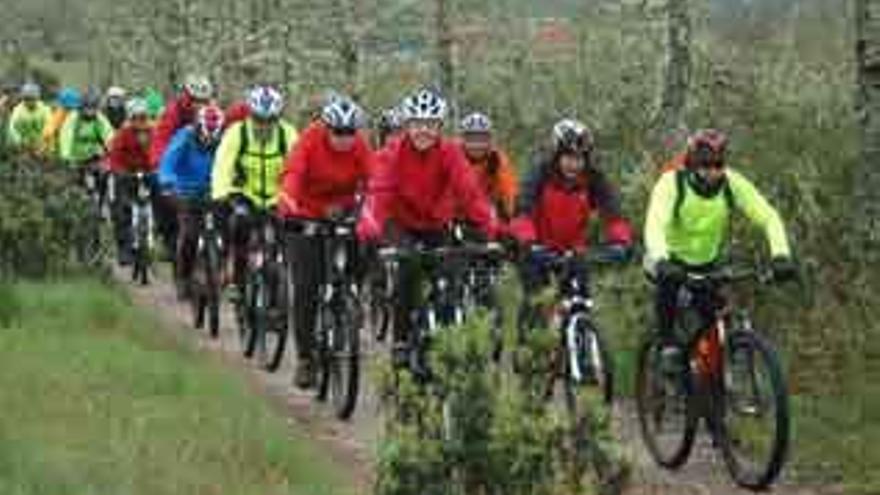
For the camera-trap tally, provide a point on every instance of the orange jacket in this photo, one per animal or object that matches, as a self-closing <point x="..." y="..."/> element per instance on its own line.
<point x="498" y="180"/>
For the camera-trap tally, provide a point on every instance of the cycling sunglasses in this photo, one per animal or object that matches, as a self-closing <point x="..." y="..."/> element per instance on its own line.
<point x="348" y="132"/>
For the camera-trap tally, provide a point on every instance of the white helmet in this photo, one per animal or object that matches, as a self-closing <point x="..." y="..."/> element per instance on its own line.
<point x="199" y="87"/>
<point x="265" y="102"/>
<point x="573" y="136"/>
<point x="424" y="105"/>
<point x="476" y="123"/>
<point x="116" y="92"/>
<point x="136" y="107"/>
<point x="30" y="90"/>
<point x="341" y="113"/>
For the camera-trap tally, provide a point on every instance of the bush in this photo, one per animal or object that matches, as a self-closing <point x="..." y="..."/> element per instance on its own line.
<point x="477" y="430"/>
<point x="40" y="212"/>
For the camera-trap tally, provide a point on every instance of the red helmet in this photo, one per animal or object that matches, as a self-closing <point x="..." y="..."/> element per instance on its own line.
<point x="209" y="122"/>
<point x="707" y="146"/>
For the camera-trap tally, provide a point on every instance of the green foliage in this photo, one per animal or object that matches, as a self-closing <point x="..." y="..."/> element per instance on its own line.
<point x="40" y="218"/>
<point x="475" y="429"/>
<point x="100" y="398"/>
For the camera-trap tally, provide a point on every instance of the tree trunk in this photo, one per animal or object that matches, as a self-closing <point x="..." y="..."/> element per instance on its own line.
<point x="866" y="179"/>
<point x="445" y="46"/>
<point x="678" y="65"/>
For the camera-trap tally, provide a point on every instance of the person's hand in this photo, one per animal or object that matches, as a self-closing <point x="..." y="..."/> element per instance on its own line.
<point x="367" y="232"/>
<point x="784" y="269"/>
<point x="667" y="270"/>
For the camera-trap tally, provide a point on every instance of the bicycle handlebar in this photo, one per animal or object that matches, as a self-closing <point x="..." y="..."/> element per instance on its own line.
<point x="320" y="227"/>
<point x="595" y="256"/>
<point x="730" y="274"/>
<point x="489" y="249"/>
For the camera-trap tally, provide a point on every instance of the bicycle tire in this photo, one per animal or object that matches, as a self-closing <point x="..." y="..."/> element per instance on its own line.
<point x="649" y="351"/>
<point x="275" y="356"/>
<point x="256" y="315"/>
<point x="600" y="359"/>
<point x="763" y="477"/>
<point x="346" y="351"/>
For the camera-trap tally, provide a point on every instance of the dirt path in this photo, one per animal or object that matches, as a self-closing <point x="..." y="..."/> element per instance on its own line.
<point x="353" y="443"/>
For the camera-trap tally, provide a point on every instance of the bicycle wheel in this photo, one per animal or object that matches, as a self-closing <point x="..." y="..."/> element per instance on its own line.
<point x="213" y="265"/>
<point x="753" y="417"/>
<point x="256" y="315"/>
<point x="344" y="359"/>
<point x="594" y="365"/>
<point x="666" y="410"/>
<point x="276" y="330"/>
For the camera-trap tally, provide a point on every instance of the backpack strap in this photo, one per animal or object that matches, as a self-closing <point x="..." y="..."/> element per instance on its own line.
<point x="244" y="143"/>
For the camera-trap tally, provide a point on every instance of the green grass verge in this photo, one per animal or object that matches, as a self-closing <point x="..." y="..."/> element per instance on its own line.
<point x="98" y="398"/>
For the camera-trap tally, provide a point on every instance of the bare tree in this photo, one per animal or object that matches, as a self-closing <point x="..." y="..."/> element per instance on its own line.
<point x="866" y="185"/>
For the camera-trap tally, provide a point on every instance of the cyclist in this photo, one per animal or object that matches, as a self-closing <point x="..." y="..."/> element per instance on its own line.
<point x="115" y="103"/>
<point x="329" y="164"/>
<point x="86" y="133"/>
<point x="28" y="118"/>
<point x="248" y="166"/>
<point x="67" y="101"/>
<point x="494" y="170"/>
<point x="560" y="196"/>
<point x="423" y="180"/>
<point x="129" y="153"/>
<point x="197" y="91"/>
<point x="185" y="174"/>
<point x="687" y="223"/>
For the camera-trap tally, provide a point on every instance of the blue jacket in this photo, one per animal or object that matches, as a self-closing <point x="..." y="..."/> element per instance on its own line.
<point x="185" y="168"/>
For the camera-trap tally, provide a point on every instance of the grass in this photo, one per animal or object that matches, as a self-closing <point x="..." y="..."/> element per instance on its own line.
<point x="98" y="398"/>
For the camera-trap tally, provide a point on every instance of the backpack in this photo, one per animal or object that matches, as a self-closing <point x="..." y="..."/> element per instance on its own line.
<point x="240" y="177"/>
<point x="677" y="165"/>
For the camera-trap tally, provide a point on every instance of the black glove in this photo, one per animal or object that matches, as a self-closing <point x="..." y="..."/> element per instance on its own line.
<point x="784" y="269"/>
<point x="667" y="270"/>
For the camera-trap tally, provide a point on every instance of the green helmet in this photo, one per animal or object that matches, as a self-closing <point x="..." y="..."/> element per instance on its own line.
<point x="155" y="102"/>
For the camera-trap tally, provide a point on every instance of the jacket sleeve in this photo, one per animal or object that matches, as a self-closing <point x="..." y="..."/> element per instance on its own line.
<point x="507" y="185"/>
<point x="65" y="138"/>
<point x="660" y="213"/>
<point x="477" y="207"/>
<point x="171" y="158"/>
<point x="752" y="203"/>
<point x="107" y="131"/>
<point x="223" y="172"/>
<point x="604" y="196"/>
<point x="163" y="132"/>
<point x="295" y="171"/>
<point x="381" y="188"/>
<point x="14" y="119"/>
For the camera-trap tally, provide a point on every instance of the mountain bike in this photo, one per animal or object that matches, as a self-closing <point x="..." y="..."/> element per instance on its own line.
<point x="207" y="270"/>
<point x="728" y="374"/>
<point x="142" y="224"/>
<point x="93" y="246"/>
<point x="339" y="316"/>
<point x="262" y="309"/>
<point x="581" y="360"/>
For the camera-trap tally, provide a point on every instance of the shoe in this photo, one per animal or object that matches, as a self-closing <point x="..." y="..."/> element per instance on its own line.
<point x="125" y="258"/>
<point x="304" y="376"/>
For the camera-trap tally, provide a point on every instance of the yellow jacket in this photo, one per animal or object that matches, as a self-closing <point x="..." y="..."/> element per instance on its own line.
<point x="251" y="167"/>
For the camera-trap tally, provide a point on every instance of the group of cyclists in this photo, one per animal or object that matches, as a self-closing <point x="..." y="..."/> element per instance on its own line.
<point x="407" y="182"/>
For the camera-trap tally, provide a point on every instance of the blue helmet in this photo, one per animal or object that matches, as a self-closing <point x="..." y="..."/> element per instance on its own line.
<point x="69" y="98"/>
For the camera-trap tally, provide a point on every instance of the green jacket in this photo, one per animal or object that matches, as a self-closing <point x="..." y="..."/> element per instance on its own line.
<point x="81" y="140"/>
<point x="697" y="234"/>
<point x="255" y="171"/>
<point x="26" y="125"/>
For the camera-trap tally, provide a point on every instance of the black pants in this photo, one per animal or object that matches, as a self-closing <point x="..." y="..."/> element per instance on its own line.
<point x="705" y="302"/>
<point x="410" y="278"/>
<point x="189" y="221"/>
<point x="305" y="255"/>
<point x="240" y="222"/>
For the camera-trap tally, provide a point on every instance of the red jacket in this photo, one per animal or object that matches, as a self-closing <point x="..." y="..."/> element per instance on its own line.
<point x="127" y="154"/>
<point x="556" y="212"/>
<point x="316" y="177"/>
<point x="177" y="114"/>
<point x="421" y="191"/>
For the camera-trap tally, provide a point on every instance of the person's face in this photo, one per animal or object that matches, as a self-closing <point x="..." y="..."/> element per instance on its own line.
<point x="709" y="166"/>
<point x="197" y="105"/>
<point x="477" y="144"/>
<point x="30" y="102"/>
<point x="89" y="112"/>
<point x="571" y="165"/>
<point x="423" y="133"/>
<point x="140" y="122"/>
<point x="341" y="140"/>
<point x="263" y="127"/>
